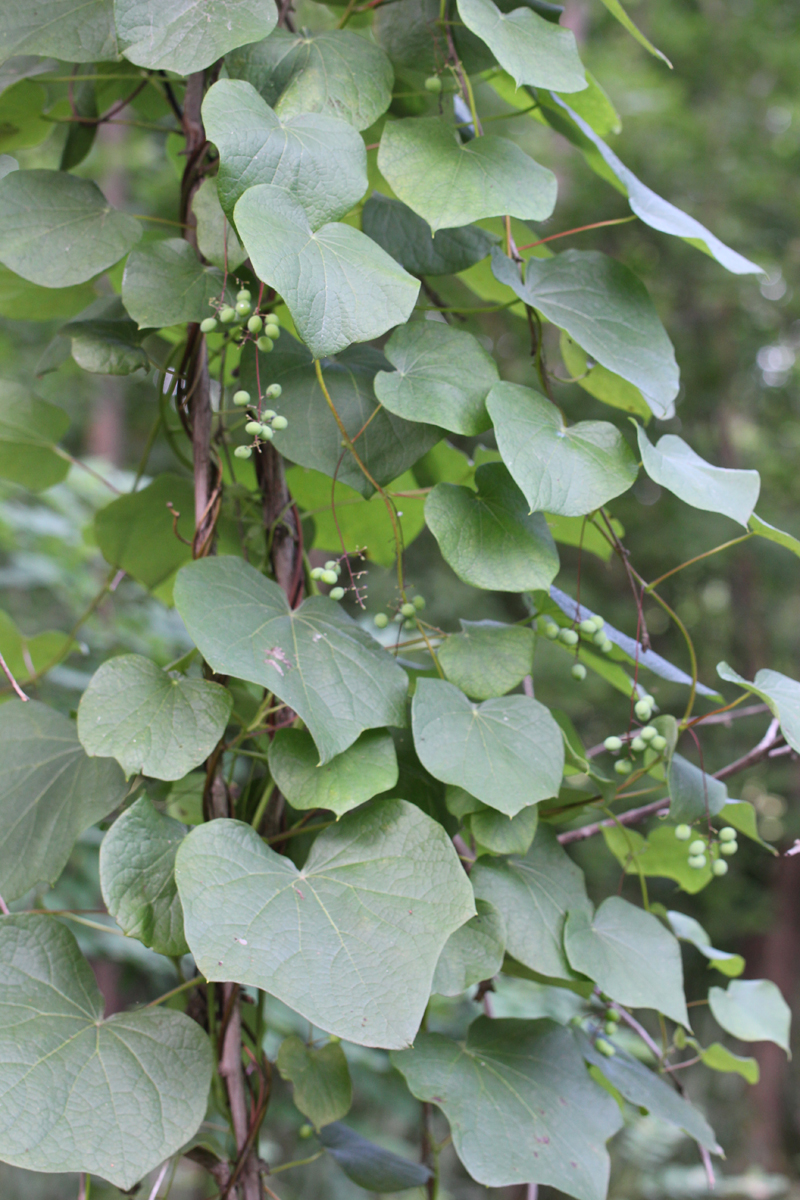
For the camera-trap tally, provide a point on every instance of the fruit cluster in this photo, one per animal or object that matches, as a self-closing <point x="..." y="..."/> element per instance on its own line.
<point x="592" y="630"/>
<point x="264" y="329"/>
<point x="330" y="574"/>
<point x="701" y="849"/>
<point x="405" y="613"/>
<point x="610" y="1027"/>
<point x="647" y="738"/>
<point x="261" y="427"/>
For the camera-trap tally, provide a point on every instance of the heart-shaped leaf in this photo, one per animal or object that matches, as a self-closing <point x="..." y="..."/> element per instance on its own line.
<point x="781" y="693"/>
<point x="508" y="752"/>
<point x="366" y="917"/>
<point x="166" y="284"/>
<point x="72" y="32"/>
<point x="474" y="952"/>
<point x="366" y="768"/>
<point x="170" y="35"/>
<point x="487" y="659"/>
<point x="29" y="431"/>
<point x="320" y="1078"/>
<point x="404" y="235"/>
<point x="318" y="159"/>
<point x="569" y="470"/>
<point x="315" y="658"/>
<point x="675" y="465"/>
<point x="752" y="1010"/>
<point x="339" y="286"/>
<point x="449" y="182"/>
<point x="114" y="1097"/>
<point x="495" y="833"/>
<point x="532" y="49"/>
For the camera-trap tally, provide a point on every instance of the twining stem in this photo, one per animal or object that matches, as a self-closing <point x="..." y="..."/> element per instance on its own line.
<point x="182" y="987"/>
<point x="578" y="229"/>
<point x="698" y="557"/>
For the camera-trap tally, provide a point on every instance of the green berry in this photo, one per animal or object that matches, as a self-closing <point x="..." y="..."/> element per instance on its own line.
<point x="305" y="1131"/>
<point x="643" y="709"/>
<point x="266" y="433"/>
<point x="244" y="294"/>
<point x="727" y="834"/>
<point x="242" y="308"/>
<point x="208" y="325"/>
<point x="336" y="593"/>
<point x="605" y="1048"/>
<point x="610" y="1028"/>
<point x="332" y="565"/>
<point x="697" y="861"/>
<point x="272" y="331"/>
<point x="381" y="620"/>
<point x="317" y="573"/>
<point x="599" y="622"/>
<point x="607" y="646"/>
<point x="397" y="617"/>
<point x="264" y="344"/>
<point x="683" y="832"/>
<point x="273" y="391"/>
<point x="408" y="609"/>
<point x="588" y="626"/>
<point x="419" y="603"/>
<point x="623" y="767"/>
<point x="227" y="314"/>
<point x="255" y="324"/>
<point x="329" y="577"/>
<point x="613" y="744"/>
<point x="720" y="867"/>
<point x="242" y="452"/>
<point x="599" y="638"/>
<point x="433" y="84"/>
<point x="648" y="733"/>
<point x="241" y="398"/>
<point x="409" y="623"/>
<point x="279" y="423"/>
<point x="268" y="414"/>
<point x="253" y="428"/>
<point x="658" y="743"/>
<point x="638" y="745"/>
<point x="728" y="848"/>
<point x="273" y="319"/>
<point x="578" y="671"/>
<point x="568" y="636"/>
<point x="551" y="631"/>
<point x="698" y="846"/>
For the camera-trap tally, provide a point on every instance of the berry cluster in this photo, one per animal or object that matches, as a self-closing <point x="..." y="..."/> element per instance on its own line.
<point x="701" y="849"/>
<point x="330" y="574"/>
<point x="263" y="427"/>
<point x="648" y="738"/>
<point x="406" y="613"/>
<point x="592" y="630"/>
<point x="265" y="330"/>
<point x="610" y="1027"/>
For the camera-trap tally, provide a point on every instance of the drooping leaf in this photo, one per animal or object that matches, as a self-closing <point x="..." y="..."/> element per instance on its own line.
<point x="166" y="284"/>
<point x="27" y="656"/>
<point x="533" y="50"/>
<point x="319" y="160"/>
<point x="152" y="723"/>
<point x="489" y="537"/>
<point x="450" y="183"/>
<point x="752" y="1010"/>
<point x="616" y="9"/>
<point x="81" y="135"/>
<point x="487" y="658"/>
<point x="316" y="659"/>
<point x="57" y="230"/>
<point x="719" y="1058"/>
<point x="366" y="768"/>
<point x="495" y="833"/>
<point x="602" y="305"/>
<point x="601" y="383"/>
<point x="474" y="952"/>
<point x="49" y="793"/>
<point x="216" y="237"/>
<point x="660" y="854"/>
<point x="169" y="35"/>
<point x="765" y="530"/>
<point x="112" y="1097"/>
<point x="673" y="464"/>
<point x="742" y="816"/>
<point x="629" y="955"/>
<point x="693" y="793"/>
<point x="320" y="1079"/>
<point x="568" y="470"/>
<point x="338" y="285"/>
<point x="105" y="341"/>
<point x="441" y="375"/>
<point x="521" y="1105"/>
<point x="781" y="693"/>
<point x="404" y="235"/>
<point x="334" y="72"/>
<point x="507" y="752"/>
<point x="689" y="930"/>
<point x="74" y="33"/>
<point x="137" y="877"/>
<point x="533" y="895"/>
<point x="29" y="431"/>
<point x="352" y="940"/>
<point x="135" y="532"/>
<point x="371" y="1167"/>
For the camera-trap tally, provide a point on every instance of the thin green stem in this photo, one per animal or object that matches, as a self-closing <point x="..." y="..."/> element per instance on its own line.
<point x="258" y="815"/>
<point x="298" y="1162"/>
<point x="76" y="462"/>
<point x="182" y="987"/>
<point x="698" y="558"/>
<point x="468" y="311"/>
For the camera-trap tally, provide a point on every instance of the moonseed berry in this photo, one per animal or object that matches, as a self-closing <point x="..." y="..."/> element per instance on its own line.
<point x="578" y="671"/>
<point x="643" y="708"/>
<point x="279" y="423"/>
<point x="648" y="733"/>
<point x="588" y="626"/>
<point x="408" y="609"/>
<point x="242" y="452"/>
<point x="244" y="294"/>
<point x="255" y="324"/>
<point x="720" y="867"/>
<point x="242" y="308"/>
<point x="419" y="603"/>
<point x="208" y="325"/>
<point x="253" y="428"/>
<point x="241" y="398"/>
<point x="433" y="84"/>
<point x="569" y="637"/>
<point x="697" y="861"/>
<point x="613" y="744"/>
<point x="264" y="344"/>
<point x="551" y="631"/>
<point x="623" y="767"/>
<point x="728" y="848"/>
<point x="605" y="1048"/>
<point x="683" y="832"/>
<point x="266" y="432"/>
<point x="658" y="743"/>
<point x="273" y="391"/>
<point x="638" y="745"/>
<point x="336" y="593"/>
<point x="727" y="834"/>
<point x="381" y="620"/>
<point x="227" y="314"/>
<point x="697" y="847"/>
<point x="329" y="577"/>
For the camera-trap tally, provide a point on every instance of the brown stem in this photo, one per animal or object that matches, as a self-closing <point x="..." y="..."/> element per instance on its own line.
<point x="281" y="521"/>
<point x="232" y="1075"/>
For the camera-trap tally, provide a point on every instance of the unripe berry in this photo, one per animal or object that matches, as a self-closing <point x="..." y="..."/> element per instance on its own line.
<point x="697" y="847"/>
<point x="658" y="743"/>
<point x="599" y="622"/>
<point x="697" y="861"/>
<point x="419" y="603"/>
<point x="279" y="423"/>
<point x="255" y="324"/>
<point x="408" y="609"/>
<point x="720" y="867"/>
<point x="648" y="733"/>
<point x="242" y="308"/>
<point x="728" y="848"/>
<point x="253" y="428"/>
<point x="269" y="414"/>
<point x="433" y="84"/>
<point x="381" y="620"/>
<point x="613" y="744"/>
<point x="244" y="294"/>
<point x="623" y="767"/>
<point x="551" y="632"/>
<point x="683" y="832"/>
<point x="643" y="709"/>
<point x="332" y="565"/>
<point x="588" y="626"/>
<point x="273" y="391"/>
<point x="272" y="331"/>
<point x="605" y="1048"/>
<point x="241" y="398"/>
<point x="273" y="319"/>
<point x="227" y="314"/>
<point x="208" y="325"/>
<point x="266" y="432"/>
<point x="329" y="577"/>
<point x="336" y="593"/>
<point x="242" y="452"/>
<point x="727" y="834"/>
<point x="607" y="646"/>
<point x="599" y="638"/>
<point x="638" y="744"/>
<point x="317" y="573"/>
<point x="305" y="1131"/>
<point x="610" y="1028"/>
<point x="409" y="623"/>
<point x="578" y="671"/>
<point x="264" y="344"/>
<point x="569" y="637"/>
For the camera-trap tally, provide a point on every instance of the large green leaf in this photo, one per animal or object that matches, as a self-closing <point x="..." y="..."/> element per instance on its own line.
<point x="408" y="34"/>
<point x="487" y="658"/>
<point x="601" y="383"/>
<point x="507" y="752"/>
<point x="689" y="930"/>
<point x="352" y="940"/>
<point x="533" y="895"/>
<point x="135" y="532"/>
<point x="388" y="445"/>
<point x="335" y="72"/>
<point x="781" y="693"/>
<point x="521" y="1105"/>
<point x="568" y="470"/>
<point x="74" y="32"/>
<point x="449" y="182"/>
<point x="338" y="285"/>
<point x="29" y="430"/>
<point x="320" y="1079"/>
<point x="171" y="35"/>
<point x="216" y="237"/>
<point x="675" y="465"/>
<point x="105" y="340"/>
<point x="22" y="300"/>
<point x="166" y="284"/>
<point x="318" y="159"/>
<point x="607" y="310"/>
<point x="629" y="955"/>
<point x="372" y="1167"/>
<point x="315" y="658"/>
<point x="49" y="793"/>
<point x="693" y="793"/>
<point x="752" y="1010"/>
<point x="489" y="536"/>
<point x="441" y="375"/>
<point x="114" y="1097"/>
<point x="137" y="877"/>
<point x="151" y="722"/>
<point x="474" y="952"/>
<point x="57" y="230"/>
<point x="404" y="235"/>
<point x="532" y="49"/>
<point x="366" y="768"/>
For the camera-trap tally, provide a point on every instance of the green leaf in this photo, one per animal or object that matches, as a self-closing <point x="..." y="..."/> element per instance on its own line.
<point x="574" y="531"/>
<point x="495" y="833"/>
<point x="72" y="32"/>
<point x="334" y="72"/>
<point x="569" y="470"/>
<point x="320" y="1079"/>
<point x="338" y="285"/>
<point x="607" y="310"/>
<point x="22" y="300"/>
<point x="366" y="768"/>
<point x="474" y="952"/>
<point x="404" y="235"/>
<point x="602" y="384"/>
<point x="659" y="855"/>
<point x="629" y="955"/>
<point x="693" y="793"/>
<point x="752" y="1010"/>
<point x="689" y="930"/>
<point x="368" y="1165"/>
<point x="764" y="530"/>
<point x="26" y="656"/>
<point x="316" y="659"/>
<point x="114" y="1097"/>
<point x="137" y="877"/>
<point x="407" y="36"/>
<point x="533" y="895"/>
<point x="57" y="230"/>
<point x="135" y="532"/>
<point x="21" y="121"/>
<point x="50" y="792"/>
<point x="487" y="658"/>
<point x="507" y="752"/>
<point x="216" y="237"/>
<point x="105" y="341"/>
<point x="152" y="723"/>
<point x="781" y="693"/>
<point x="674" y="465"/>
<point x="441" y="375"/>
<point x="742" y="816"/>
<point x="719" y="1058"/>
<point x="169" y="35"/>
<point x="81" y="136"/>
<point x="521" y="1105"/>
<point x="388" y="445"/>
<point x="595" y="106"/>
<point x="489" y="537"/>
<point x="352" y="940"/>
<point x="317" y="159"/>
<point x="616" y="9"/>
<point x="29" y="430"/>
<point x="166" y="284"/>
<point x="449" y="182"/>
<point x="532" y="49"/>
